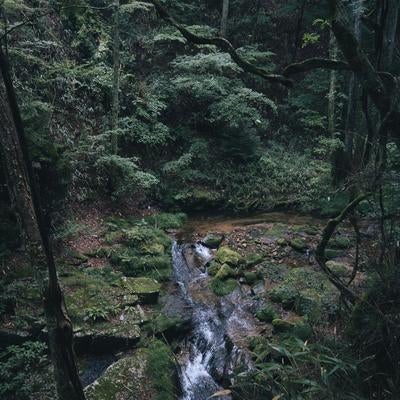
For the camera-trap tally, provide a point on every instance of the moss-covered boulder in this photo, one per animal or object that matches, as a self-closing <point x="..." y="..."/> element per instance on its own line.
<point x="225" y="255"/>
<point x="332" y="253"/>
<point x="299" y="328"/>
<point x="339" y="268"/>
<point x="123" y="380"/>
<point x="281" y="242"/>
<point x="340" y="243"/>
<point x="225" y="272"/>
<point x="253" y="259"/>
<point x="146" y="289"/>
<point x="298" y="244"/>
<point x="213" y="268"/>
<point x="213" y="240"/>
<point x="281" y="325"/>
<point x="250" y="277"/>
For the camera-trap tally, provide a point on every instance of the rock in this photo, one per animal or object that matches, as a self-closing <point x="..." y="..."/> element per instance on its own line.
<point x="332" y="253"/>
<point x="340" y="243"/>
<point x="146" y="289"/>
<point x="123" y="380"/>
<point x="250" y="277"/>
<point x="253" y="260"/>
<point x="281" y="242"/>
<point x="212" y="240"/>
<point x="225" y="272"/>
<point x="339" y="268"/>
<point x="213" y="268"/>
<point x="227" y="256"/>
<point x="298" y="244"/>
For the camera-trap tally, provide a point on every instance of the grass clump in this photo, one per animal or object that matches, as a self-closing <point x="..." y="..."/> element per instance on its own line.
<point x="222" y="288"/>
<point x="160" y="369"/>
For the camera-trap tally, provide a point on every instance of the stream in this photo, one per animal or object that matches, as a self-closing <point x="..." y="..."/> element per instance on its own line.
<point x="212" y="351"/>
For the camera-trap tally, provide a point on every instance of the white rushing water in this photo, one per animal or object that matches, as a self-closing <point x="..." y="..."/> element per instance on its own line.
<point x="207" y="348"/>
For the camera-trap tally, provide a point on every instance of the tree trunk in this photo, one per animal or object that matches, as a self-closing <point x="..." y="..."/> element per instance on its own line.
<point x="224" y="18"/>
<point x="354" y="92"/>
<point x="23" y="193"/>
<point x="332" y="88"/>
<point x="389" y="29"/>
<point x="116" y="72"/>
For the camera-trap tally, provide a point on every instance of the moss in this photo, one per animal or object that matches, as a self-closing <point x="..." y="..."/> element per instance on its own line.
<point x="222" y="288"/>
<point x="266" y="314"/>
<point x="213" y="268"/>
<point x="311" y="230"/>
<point x="275" y="272"/>
<point x="340" y="242"/>
<point x="251" y="277"/>
<point x="253" y="260"/>
<point x="332" y="253"/>
<point x="146" y="289"/>
<point x="118" y="382"/>
<point x="225" y="255"/>
<point x="160" y="368"/>
<point x="306" y="291"/>
<point x="339" y="268"/>
<point x="298" y="244"/>
<point x="299" y="329"/>
<point x="213" y="240"/>
<point x="225" y="272"/>
<point x="281" y="242"/>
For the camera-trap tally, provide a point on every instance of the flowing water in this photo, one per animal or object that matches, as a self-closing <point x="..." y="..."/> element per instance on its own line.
<point x="211" y="353"/>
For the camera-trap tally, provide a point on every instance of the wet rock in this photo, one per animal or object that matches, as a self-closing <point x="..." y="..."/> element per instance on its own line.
<point x="212" y="240"/>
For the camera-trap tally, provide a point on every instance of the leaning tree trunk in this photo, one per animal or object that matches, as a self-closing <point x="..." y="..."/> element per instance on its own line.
<point x="116" y="72"/>
<point x="224" y="18"/>
<point x="26" y="200"/>
<point x="389" y="29"/>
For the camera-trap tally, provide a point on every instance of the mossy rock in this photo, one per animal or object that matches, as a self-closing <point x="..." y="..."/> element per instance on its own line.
<point x="275" y="272"/>
<point x="222" y="288"/>
<point x="123" y="380"/>
<point x="225" y="272"/>
<point x="311" y="230"/>
<point x="146" y="289"/>
<point x="251" y="277"/>
<point x="267" y="314"/>
<point x="332" y="253"/>
<point x="253" y="259"/>
<point x="167" y="220"/>
<point x="339" y="268"/>
<point x="153" y="249"/>
<point x="213" y="268"/>
<point x="340" y="243"/>
<point x="213" y="240"/>
<point x="281" y="242"/>
<point x="298" y="244"/>
<point x="308" y="303"/>
<point x="225" y="255"/>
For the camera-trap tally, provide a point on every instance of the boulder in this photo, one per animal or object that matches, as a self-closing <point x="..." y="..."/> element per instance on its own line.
<point x="212" y="240"/>
<point x="225" y="255"/>
<point x="146" y="289"/>
<point x="225" y="272"/>
<point x="298" y="244"/>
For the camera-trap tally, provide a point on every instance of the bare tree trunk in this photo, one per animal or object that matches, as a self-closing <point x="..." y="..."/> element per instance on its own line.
<point x="354" y="92"/>
<point x="116" y="72"/>
<point x="224" y="18"/>
<point x="332" y="88"/>
<point x="389" y="33"/>
<point x="22" y="191"/>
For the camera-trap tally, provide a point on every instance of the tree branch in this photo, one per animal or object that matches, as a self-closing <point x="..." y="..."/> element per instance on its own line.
<point x="315" y="63"/>
<point x="223" y="45"/>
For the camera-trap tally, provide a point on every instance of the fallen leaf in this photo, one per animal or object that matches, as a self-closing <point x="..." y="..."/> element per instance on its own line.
<point x="221" y="393"/>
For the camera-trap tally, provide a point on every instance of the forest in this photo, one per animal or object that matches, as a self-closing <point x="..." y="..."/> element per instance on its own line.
<point x="200" y="199"/>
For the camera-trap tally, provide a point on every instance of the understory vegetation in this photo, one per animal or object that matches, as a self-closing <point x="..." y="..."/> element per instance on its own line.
<point x="129" y="126"/>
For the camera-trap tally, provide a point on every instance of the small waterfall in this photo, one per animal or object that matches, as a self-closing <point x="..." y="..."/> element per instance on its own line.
<point x="208" y="348"/>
